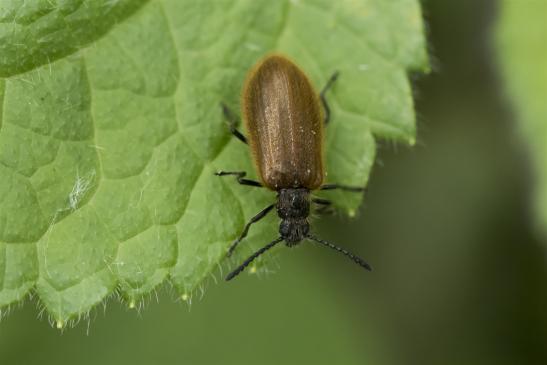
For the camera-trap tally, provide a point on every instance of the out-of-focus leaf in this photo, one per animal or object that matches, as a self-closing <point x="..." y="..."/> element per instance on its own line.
<point x="522" y="46"/>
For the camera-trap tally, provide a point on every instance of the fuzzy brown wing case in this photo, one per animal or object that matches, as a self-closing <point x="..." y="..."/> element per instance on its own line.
<point x="284" y="124"/>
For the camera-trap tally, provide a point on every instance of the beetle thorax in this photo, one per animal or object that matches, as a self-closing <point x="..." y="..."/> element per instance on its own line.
<point x="293" y="207"/>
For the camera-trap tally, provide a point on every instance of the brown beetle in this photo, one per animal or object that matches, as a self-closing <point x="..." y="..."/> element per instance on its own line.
<point x="284" y="123"/>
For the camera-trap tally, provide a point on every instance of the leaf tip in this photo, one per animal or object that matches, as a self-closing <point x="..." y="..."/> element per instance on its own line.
<point x="412" y="141"/>
<point x="185" y="297"/>
<point x="60" y="324"/>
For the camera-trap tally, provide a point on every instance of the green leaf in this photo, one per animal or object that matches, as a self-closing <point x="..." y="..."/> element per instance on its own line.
<point x="111" y="130"/>
<point x="522" y="49"/>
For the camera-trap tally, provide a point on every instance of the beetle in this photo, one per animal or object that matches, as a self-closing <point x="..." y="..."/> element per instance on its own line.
<point x="284" y="123"/>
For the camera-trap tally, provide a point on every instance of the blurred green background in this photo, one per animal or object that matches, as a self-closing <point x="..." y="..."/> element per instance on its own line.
<point x="460" y="277"/>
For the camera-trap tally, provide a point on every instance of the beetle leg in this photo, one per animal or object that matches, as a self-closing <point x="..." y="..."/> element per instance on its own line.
<point x="325" y="206"/>
<point x="331" y="81"/>
<point x="232" y="122"/>
<point x="324" y="210"/>
<point x="355" y="189"/>
<point x="243" y="234"/>
<point x="321" y="201"/>
<point x="239" y="177"/>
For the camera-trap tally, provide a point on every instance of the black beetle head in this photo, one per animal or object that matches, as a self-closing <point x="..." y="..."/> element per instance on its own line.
<point x="293" y="207"/>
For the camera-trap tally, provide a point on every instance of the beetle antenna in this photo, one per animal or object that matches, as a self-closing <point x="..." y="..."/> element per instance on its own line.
<point x="359" y="261"/>
<point x="251" y="258"/>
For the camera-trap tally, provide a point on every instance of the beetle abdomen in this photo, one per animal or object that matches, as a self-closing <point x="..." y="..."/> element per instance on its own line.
<point x="284" y="124"/>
